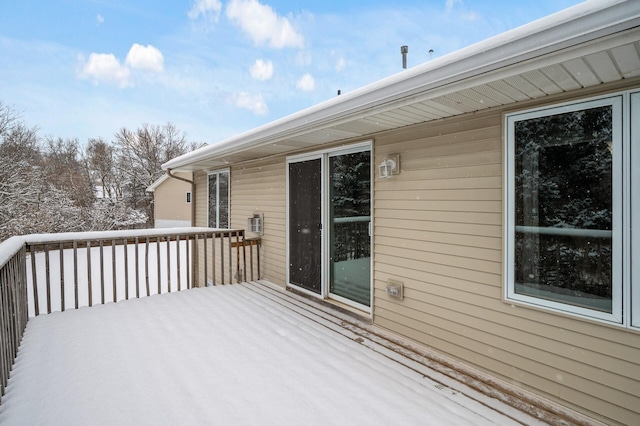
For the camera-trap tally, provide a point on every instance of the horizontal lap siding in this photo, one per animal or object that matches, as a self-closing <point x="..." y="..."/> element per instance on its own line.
<point x="438" y="229"/>
<point x="260" y="188"/>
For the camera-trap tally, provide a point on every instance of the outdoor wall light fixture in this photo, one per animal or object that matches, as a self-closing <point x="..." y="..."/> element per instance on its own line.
<point x="255" y="223"/>
<point x="390" y="166"/>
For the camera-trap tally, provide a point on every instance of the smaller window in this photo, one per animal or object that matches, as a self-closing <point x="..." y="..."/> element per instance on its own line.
<point x="188" y="197"/>
<point x="218" y="209"/>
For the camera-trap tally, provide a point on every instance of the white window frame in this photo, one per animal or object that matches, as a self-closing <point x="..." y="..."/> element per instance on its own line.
<point x="217" y="218"/>
<point x="633" y="152"/>
<point x="621" y="253"/>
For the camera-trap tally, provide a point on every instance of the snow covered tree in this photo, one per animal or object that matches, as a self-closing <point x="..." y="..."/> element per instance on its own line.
<point x="142" y="153"/>
<point x="101" y="159"/>
<point x="21" y="174"/>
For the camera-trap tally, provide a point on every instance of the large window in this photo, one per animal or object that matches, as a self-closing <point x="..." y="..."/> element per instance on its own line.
<point x="569" y="197"/>
<point x="218" y="197"/>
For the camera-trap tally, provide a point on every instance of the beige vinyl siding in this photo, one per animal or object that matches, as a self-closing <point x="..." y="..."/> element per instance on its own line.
<point x="255" y="188"/>
<point x="260" y="188"/>
<point x="170" y="201"/>
<point x="438" y="229"/>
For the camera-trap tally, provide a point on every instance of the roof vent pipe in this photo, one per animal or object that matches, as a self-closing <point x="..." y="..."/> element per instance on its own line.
<point x="404" y="50"/>
<point x="430" y="54"/>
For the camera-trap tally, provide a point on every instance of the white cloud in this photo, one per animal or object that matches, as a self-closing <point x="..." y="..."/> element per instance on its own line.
<point x="306" y="83"/>
<point x="145" y="58"/>
<point x="263" y="24"/>
<point x="262" y="70"/>
<point x="99" y="19"/>
<point x="105" y="67"/>
<point x="209" y="9"/>
<point x="450" y="3"/>
<point x="254" y="103"/>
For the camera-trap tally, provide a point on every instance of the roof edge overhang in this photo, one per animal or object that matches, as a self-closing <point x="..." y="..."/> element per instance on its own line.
<point x="515" y="51"/>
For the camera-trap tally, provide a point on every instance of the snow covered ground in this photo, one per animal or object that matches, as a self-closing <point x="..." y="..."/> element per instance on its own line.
<point x="237" y="354"/>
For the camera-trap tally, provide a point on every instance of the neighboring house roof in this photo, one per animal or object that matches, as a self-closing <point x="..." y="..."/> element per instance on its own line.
<point x="592" y="43"/>
<point x="157" y="183"/>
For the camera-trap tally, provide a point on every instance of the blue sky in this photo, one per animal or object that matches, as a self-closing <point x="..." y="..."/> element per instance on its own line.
<point x="216" y="68"/>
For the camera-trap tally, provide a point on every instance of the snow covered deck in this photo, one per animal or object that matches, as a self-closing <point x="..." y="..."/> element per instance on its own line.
<point x="236" y="354"/>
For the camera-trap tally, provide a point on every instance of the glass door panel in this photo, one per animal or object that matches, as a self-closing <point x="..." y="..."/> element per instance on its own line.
<point x="305" y="224"/>
<point x="349" y="224"/>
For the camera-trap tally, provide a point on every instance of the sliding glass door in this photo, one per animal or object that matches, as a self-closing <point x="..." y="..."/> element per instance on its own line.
<point x="329" y="224"/>
<point x="350" y="219"/>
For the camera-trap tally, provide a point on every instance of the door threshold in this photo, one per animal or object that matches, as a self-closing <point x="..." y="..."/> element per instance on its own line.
<point x="335" y="305"/>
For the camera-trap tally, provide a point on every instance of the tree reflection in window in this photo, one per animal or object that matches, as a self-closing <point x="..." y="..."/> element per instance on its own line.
<point x="563" y="207"/>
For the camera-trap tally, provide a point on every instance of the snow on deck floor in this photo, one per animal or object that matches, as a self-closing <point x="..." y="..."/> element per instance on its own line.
<point x="216" y="355"/>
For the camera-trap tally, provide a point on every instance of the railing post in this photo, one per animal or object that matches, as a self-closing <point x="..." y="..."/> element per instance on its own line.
<point x="244" y="259"/>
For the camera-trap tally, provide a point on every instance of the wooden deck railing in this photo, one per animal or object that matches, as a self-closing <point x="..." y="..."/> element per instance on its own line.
<point x="55" y="272"/>
<point x="13" y="304"/>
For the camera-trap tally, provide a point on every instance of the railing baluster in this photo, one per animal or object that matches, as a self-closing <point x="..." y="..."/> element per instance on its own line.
<point x="222" y="258"/>
<point x="34" y="279"/>
<point x="206" y="260"/>
<point x="188" y="260"/>
<point x="258" y="255"/>
<point x="75" y="272"/>
<point x="169" y="263"/>
<point x="244" y="260"/>
<point x="229" y="244"/>
<point x="102" y="271"/>
<point x="113" y="270"/>
<point x="137" y="269"/>
<point x="47" y="276"/>
<point x="178" y="259"/>
<point x="146" y="265"/>
<point x="240" y="271"/>
<point x="250" y="257"/>
<point x="61" y="256"/>
<point x="89" y="283"/>
<point x="214" y="235"/>
<point x="158" y="264"/>
<point x="126" y="268"/>
<point x="5" y="336"/>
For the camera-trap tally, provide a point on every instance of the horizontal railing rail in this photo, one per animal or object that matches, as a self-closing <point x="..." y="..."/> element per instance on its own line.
<point x="44" y="273"/>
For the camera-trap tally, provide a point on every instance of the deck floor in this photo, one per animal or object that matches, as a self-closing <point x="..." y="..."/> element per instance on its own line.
<point x="236" y="354"/>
